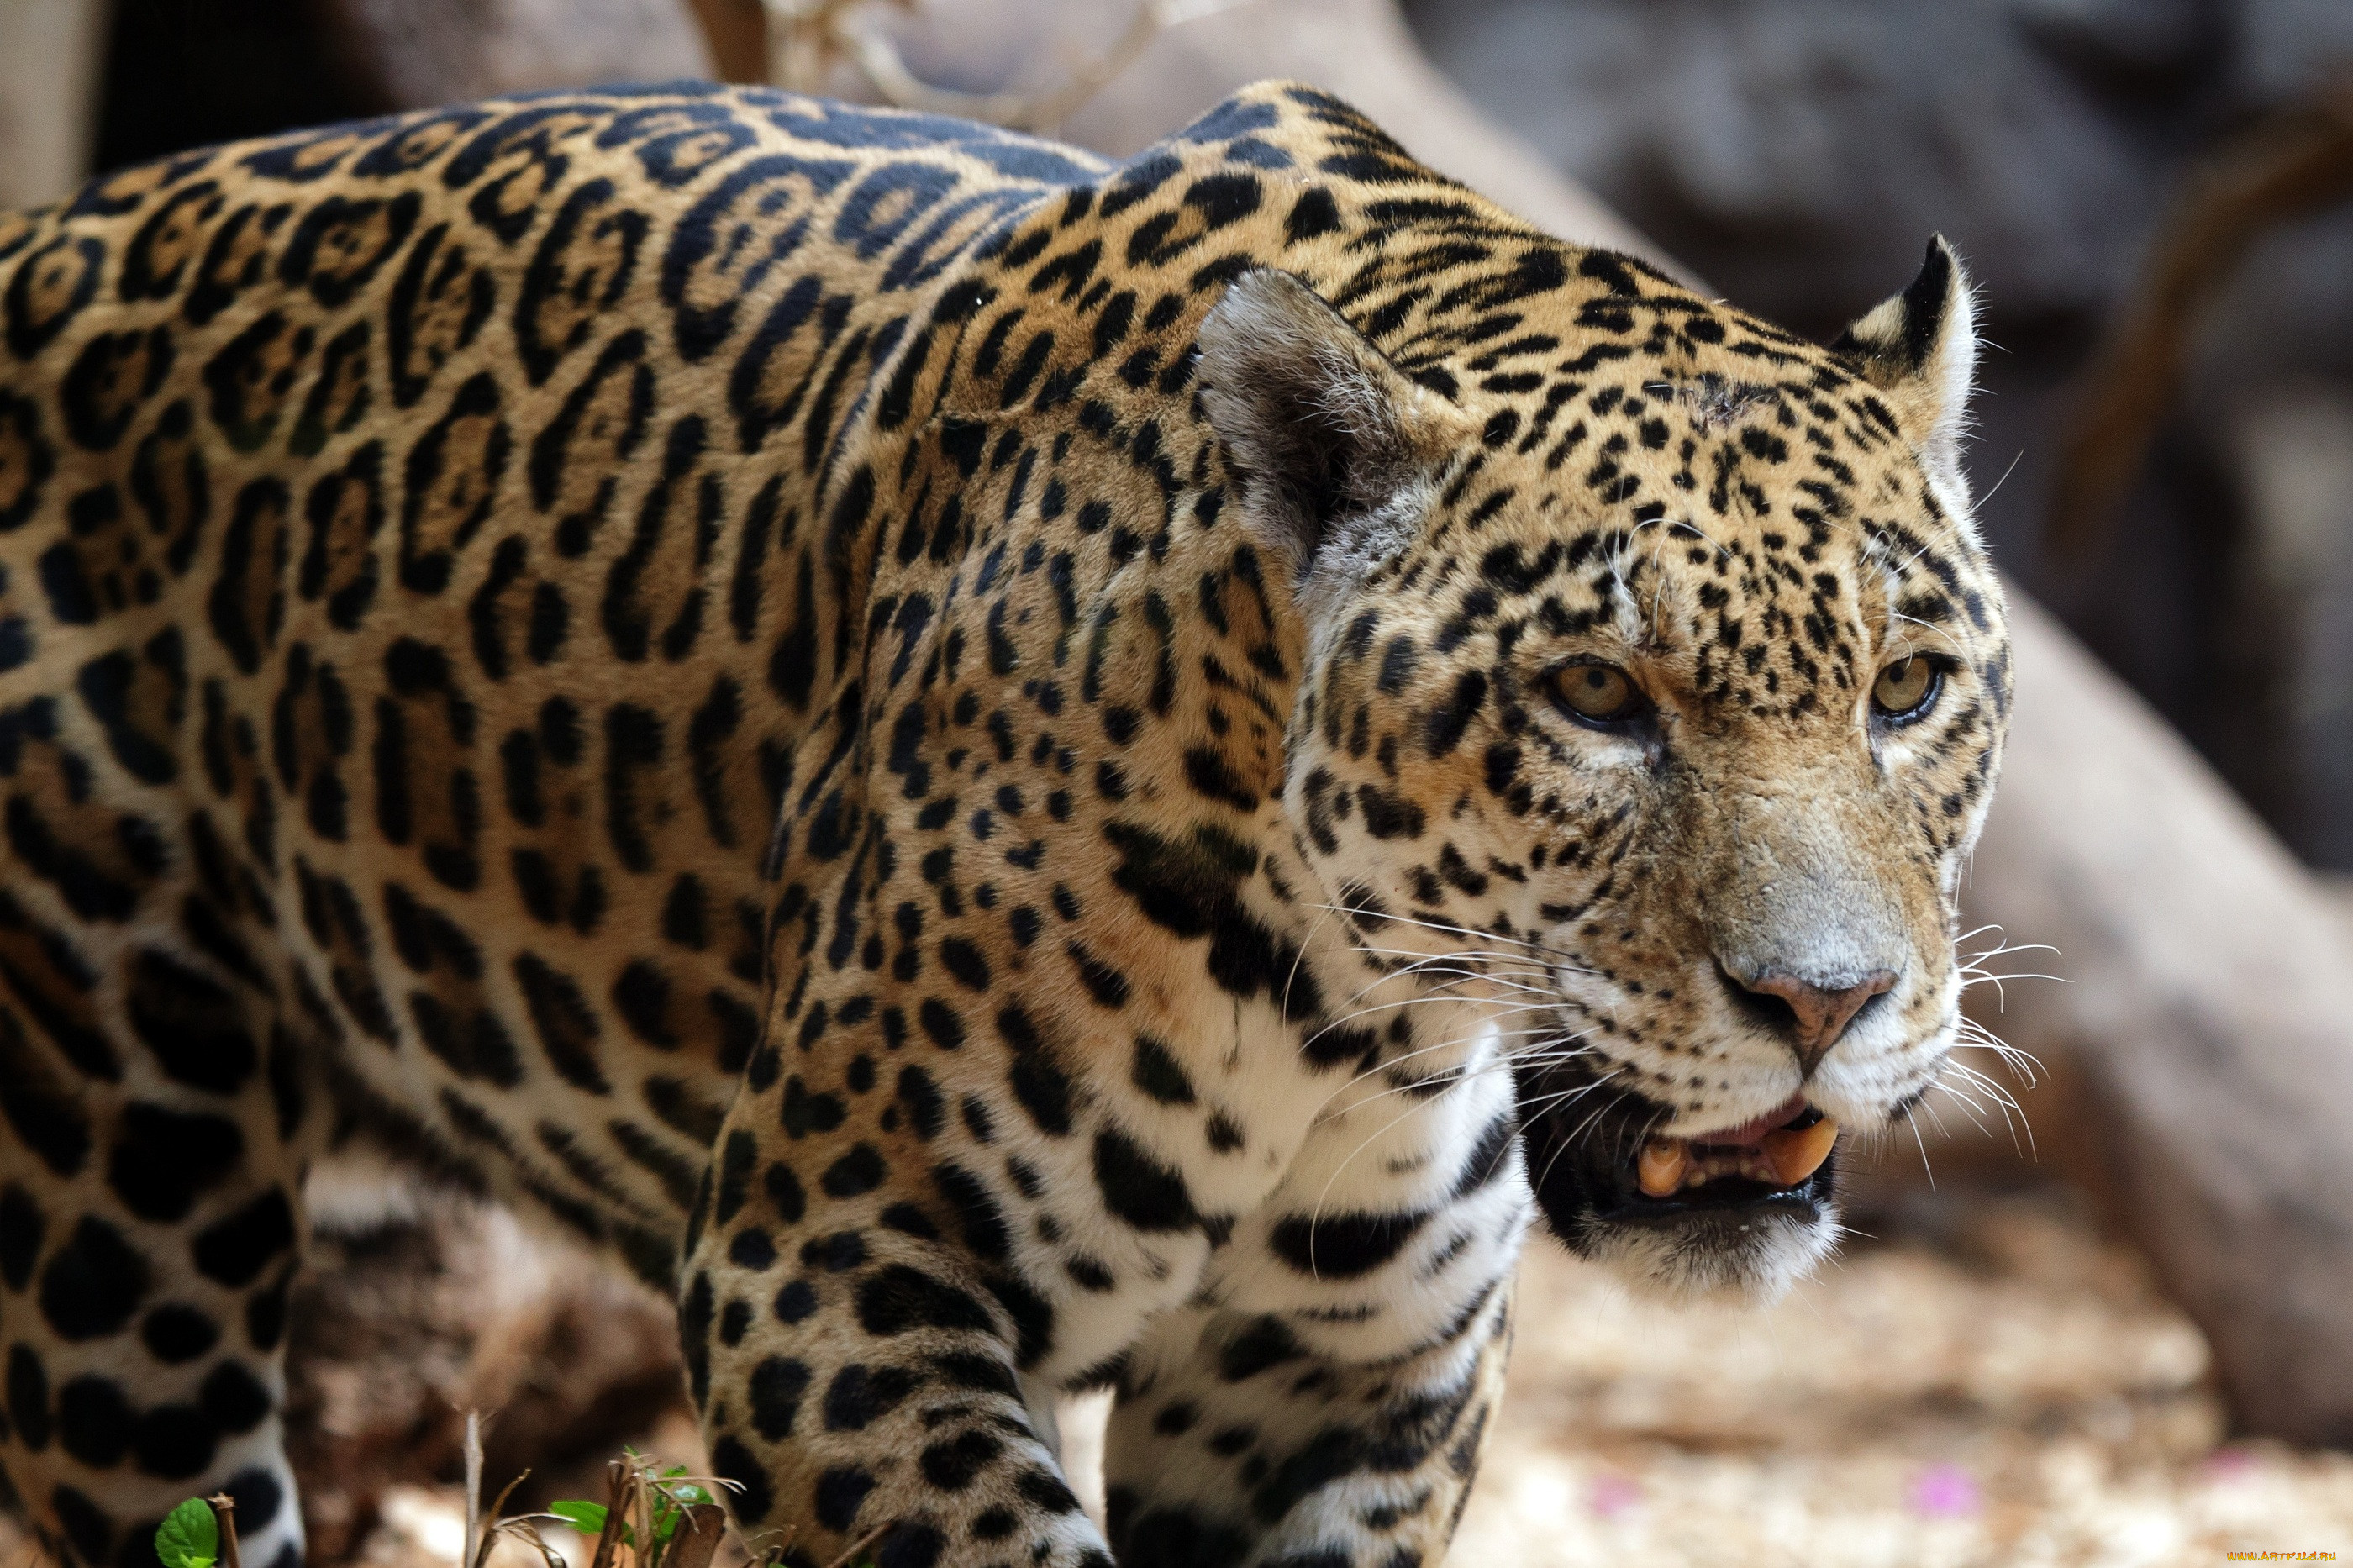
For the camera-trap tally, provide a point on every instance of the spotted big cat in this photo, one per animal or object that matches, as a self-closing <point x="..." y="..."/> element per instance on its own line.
<point x="1010" y="773"/>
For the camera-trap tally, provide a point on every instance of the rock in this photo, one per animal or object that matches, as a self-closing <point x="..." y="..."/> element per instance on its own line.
<point x="1796" y="152"/>
<point x="48" y="82"/>
<point x="2290" y="633"/>
<point x="414" y="54"/>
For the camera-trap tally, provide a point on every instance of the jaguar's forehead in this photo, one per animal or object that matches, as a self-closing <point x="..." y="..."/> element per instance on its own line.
<point x="1719" y="497"/>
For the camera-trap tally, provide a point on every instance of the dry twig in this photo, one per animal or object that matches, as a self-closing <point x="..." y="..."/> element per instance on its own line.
<point x="2291" y="166"/>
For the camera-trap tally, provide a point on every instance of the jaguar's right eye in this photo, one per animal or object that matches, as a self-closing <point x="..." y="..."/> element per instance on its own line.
<point x="1598" y="694"/>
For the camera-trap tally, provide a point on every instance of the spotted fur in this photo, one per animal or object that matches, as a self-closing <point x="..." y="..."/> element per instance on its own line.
<point x="946" y="746"/>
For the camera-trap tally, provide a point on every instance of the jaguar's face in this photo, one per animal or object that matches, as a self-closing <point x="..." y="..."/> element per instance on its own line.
<point x="1684" y="734"/>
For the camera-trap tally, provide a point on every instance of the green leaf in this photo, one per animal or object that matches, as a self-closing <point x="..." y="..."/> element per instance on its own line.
<point x="587" y="1518"/>
<point x="189" y="1536"/>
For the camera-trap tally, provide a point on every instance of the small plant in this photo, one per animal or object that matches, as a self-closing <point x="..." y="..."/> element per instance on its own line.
<point x="194" y="1534"/>
<point x="659" y="1518"/>
<point x="665" y="1518"/>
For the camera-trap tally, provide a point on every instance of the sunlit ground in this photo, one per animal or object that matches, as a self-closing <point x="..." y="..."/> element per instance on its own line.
<point x="1991" y="1385"/>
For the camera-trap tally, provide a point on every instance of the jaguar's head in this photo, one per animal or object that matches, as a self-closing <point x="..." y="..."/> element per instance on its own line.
<point x="1654" y="663"/>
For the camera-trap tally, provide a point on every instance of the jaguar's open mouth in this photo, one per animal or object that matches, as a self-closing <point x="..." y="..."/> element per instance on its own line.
<point x="1747" y="1208"/>
<point x="1772" y="1160"/>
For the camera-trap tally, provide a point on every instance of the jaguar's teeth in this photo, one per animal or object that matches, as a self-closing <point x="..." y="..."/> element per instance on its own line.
<point x="1662" y="1164"/>
<point x="1797" y="1152"/>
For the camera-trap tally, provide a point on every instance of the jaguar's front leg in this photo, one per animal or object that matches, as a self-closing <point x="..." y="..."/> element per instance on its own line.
<point x="1326" y="1407"/>
<point x="851" y="1332"/>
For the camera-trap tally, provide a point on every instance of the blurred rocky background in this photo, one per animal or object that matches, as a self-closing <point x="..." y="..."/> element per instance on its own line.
<point x="2050" y="1355"/>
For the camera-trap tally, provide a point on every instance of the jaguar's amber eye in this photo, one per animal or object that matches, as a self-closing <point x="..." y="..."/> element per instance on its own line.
<point x="1599" y="693"/>
<point x="1907" y="689"/>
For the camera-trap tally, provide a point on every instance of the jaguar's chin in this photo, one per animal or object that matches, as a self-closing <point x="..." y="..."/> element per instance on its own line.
<point x="1745" y="1211"/>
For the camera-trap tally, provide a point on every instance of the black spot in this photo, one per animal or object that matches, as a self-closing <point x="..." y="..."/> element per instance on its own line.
<point x="1491" y="1157"/>
<point x="898" y="1298"/>
<point x="776" y="1387"/>
<point x="94" y="1283"/>
<point x="234" y="1400"/>
<point x="797" y="1303"/>
<point x="1046" y="1490"/>
<point x="803" y="1112"/>
<point x="735" y="1322"/>
<point x="860" y="1171"/>
<point x="956" y="1463"/>
<point x="694" y="1314"/>
<point x="926" y="1108"/>
<point x="22" y="1226"/>
<point x="964" y="961"/>
<point x="1174" y="1538"/>
<point x="861" y="1395"/>
<point x="1032" y="1315"/>
<point x="736" y="1160"/>
<point x="93" y="1421"/>
<point x="1389" y="815"/>
<point x="1158" y="1074"/>
<point x="751" y="1497"/>
<point x="1139" y="1189"/>
<point x="785" y="1190"/>
<point x="940" y="1024"/>
<point x="1207" y="770"/>
<point x="265" y="1314"/>
<point x="29" y="1397"/>
<point x="86" y="1524"/>
<point x="1343" y="1245"/>
<point x="235" y="1249"/>
<point x="1107" y="984"/>
<point x="174" y="1334"/>
<point x="1262" y="1344"/>
<point x="839" y="1252"/>
<point x="165" y="1160"/>
<point x="566" y="1024"/>
<point x="192" y="1024"/>
<point x="983" y="1222"/>
<point x="258" y="1497"/>
<point x="908" y="1544"/>
<point x="1316" y="212"/>
<point x="174" y="1441"/>
<point x="1184" y="886"/>
<point x="839" y="1492"/>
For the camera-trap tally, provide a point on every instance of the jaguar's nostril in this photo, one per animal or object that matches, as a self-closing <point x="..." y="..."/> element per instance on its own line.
<point x="1811" y="1014"/>
<point x="1765" y="1011"/>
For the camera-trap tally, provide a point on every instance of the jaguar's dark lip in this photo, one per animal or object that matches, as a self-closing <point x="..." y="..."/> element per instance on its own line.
<point x="1583" y="1141"/>
<point x="1809" y="1200"/>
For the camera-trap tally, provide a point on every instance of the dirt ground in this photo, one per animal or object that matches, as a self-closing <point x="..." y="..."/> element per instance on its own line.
<point x="1996" y="1388"/>
<point x="1988" y="1384"/>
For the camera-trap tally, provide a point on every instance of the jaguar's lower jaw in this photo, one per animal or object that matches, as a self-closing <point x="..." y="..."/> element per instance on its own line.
<point x="1685" y="1219"/>
<point x="1751" y="1254"/>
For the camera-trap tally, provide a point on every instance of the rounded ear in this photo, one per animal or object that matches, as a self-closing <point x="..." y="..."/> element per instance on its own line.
<point x="1325" y="430"/>
<point x="1920" y="349"/>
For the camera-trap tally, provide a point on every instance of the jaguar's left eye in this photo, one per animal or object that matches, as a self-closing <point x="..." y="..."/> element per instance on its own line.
<point x="1907" y="689"/>
<point x="1600" y="694"/>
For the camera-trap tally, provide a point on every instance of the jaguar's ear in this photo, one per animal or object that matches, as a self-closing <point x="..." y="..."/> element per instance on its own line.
<point x="1920" y="349"/>
<point x="1326" y="432"/>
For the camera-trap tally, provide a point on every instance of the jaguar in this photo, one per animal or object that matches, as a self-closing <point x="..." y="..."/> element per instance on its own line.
<point x="1009" y="772"/>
